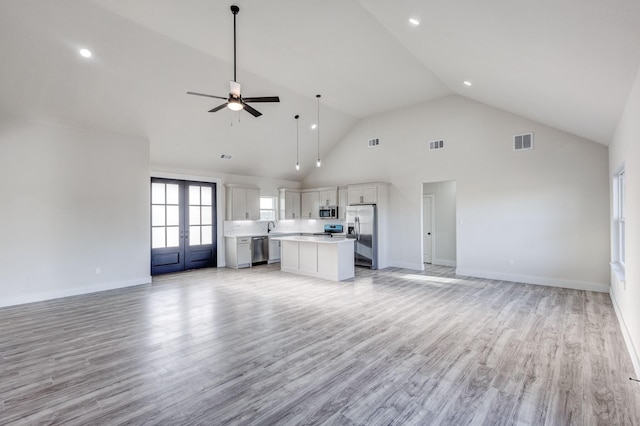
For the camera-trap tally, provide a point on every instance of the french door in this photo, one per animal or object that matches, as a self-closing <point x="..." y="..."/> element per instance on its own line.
<point x="183" y="225"/>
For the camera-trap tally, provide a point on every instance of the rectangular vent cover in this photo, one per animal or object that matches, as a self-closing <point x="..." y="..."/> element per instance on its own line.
<point x="225" y="157"/>
<point x="523" y="141"/>
<point x="436" y="145"/>
<point x="373" y="142"/>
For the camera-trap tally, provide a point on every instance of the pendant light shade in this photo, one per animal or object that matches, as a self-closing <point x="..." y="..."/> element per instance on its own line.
<point x="297" y="143"/>
<point x="318" y="160"/>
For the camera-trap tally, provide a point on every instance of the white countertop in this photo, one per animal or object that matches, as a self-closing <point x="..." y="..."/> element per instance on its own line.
<point x="315" y="239"/>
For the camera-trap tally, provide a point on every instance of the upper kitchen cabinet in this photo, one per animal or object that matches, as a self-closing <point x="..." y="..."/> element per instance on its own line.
<point x="329" y="196"/>
<point x="310" y="204"/>
<point x="343" y="194"/>
<point x="243" y="203"/>
<point x="368" y="193"/>
<point x="363" y="194"/>
<point x="289" y="204"/>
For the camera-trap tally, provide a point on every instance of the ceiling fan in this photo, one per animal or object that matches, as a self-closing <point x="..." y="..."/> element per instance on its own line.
<point x="235" y="101"/>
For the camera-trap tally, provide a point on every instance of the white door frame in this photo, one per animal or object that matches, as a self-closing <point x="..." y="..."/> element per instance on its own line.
<point x="432" y="197"/>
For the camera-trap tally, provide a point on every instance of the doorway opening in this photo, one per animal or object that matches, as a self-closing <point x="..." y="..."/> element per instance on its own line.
<point x="183" y="225"/>
<point x="439" y="223"/>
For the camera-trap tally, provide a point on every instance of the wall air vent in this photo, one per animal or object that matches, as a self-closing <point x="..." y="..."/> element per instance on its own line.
<point x="373" y="143"/>
<point x="436" y="145"/>
<point x="225" y="157"/>
<point x="523" y="141"/>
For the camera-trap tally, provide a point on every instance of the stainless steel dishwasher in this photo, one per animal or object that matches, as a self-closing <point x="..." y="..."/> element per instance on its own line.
<point x="259" y="250"/>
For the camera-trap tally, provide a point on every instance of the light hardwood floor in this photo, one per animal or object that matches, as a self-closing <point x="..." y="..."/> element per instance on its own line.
<point x="262" y="347"/>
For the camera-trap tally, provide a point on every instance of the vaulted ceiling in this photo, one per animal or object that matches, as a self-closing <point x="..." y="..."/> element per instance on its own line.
<point x="567" y="64"/>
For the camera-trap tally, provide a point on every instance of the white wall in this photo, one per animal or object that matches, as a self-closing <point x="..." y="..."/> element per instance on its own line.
<point x="545" y="209"/>
<point x="73" y="200"/>
<point x="625" y="151"/>
<point x="444" y="194"/>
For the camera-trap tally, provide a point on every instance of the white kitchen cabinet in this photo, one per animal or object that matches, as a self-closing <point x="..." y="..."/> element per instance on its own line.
<point x="243" y="203"/>
<point x="308" y="257"/>
<point x="310" y="204"/>
<point x="238" y="252"/>
<point x="363" y="194"/>
<point x="327" y="258"/>
<point x="274" y="250"/>
<point x="342" y="203"/>
<point x="289" y="204"/>
<point x="329" y="197"/>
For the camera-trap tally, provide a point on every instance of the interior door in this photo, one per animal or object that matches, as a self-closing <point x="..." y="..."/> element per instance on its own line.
<point x="183" y="231"/>
<point x="427" y="229"/>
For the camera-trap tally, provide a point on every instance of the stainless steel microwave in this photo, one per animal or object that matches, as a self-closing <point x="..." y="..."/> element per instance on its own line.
<point x="328" y="212"/>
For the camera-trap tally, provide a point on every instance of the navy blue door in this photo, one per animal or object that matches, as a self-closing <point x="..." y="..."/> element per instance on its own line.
<point x="183" y="225"/>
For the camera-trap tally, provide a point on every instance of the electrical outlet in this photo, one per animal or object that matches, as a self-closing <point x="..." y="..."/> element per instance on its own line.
<point x="98" y="271"/>
<point x="511" y="262"/>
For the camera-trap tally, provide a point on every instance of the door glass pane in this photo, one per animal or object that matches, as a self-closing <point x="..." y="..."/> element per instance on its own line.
<point x="206" y="215"/>
<point x="207" y="235"/>
<point x="157" y="216"/>
<point x="194" y="215"/>
<point x="172" y="194"/>
<point x="173" y="236"/>
<point x="173" y="216"/>
<point x="194" y="195"/>
<point x="157" y="193"/>
<point x="157" y="237"/>
<point x="194" y="235"/>
<point x="206" y="196"/>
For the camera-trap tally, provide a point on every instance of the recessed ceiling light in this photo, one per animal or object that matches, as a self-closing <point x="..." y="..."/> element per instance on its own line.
<point x="467" y="83"/>
<point x="414" y="21"/>
<point x="314" y="126"/>
<point x="85" y="52"/>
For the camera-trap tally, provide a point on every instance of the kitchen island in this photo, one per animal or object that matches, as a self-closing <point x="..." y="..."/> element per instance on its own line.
<point x="318" y="256"/>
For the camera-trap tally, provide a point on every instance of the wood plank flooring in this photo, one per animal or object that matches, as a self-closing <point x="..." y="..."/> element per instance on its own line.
<point x="261" y="347"/>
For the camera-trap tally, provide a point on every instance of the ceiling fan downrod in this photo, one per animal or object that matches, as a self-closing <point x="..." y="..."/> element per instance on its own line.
<point x="234" y="9"/>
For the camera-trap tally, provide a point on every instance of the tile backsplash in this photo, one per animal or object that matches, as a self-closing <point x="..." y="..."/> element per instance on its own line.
<point x="234" y="228"/>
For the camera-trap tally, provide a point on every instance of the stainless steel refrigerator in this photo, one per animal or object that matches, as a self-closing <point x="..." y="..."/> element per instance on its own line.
<point x="362" y="226"/>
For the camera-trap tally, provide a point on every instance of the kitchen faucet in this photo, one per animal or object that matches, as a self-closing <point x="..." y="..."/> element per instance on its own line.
<point x="269" y="228"/>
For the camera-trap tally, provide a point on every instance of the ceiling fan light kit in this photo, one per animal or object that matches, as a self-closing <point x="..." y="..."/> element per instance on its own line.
<point x="235" y="101"/>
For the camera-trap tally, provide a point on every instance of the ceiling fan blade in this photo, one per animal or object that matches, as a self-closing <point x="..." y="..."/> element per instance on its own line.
<point x="234" y="88"/>
<point x="208" y="96"/>
<point x="218" y="108"/>
<point x="262" y="99"/>
<point x="252" y="111"/>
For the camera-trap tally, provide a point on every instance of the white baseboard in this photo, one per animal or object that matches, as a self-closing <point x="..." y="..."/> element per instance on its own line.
<point x="635" y="360"/>
<point x="550" y="282"/>
<point x="407" y="265"/>
<point x="76" y="291"/>
<point x="444" y="262"/>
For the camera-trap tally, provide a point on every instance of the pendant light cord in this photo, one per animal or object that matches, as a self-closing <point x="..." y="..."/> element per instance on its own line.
<point x="318" y="96"/>
<point x="297" y="141"/>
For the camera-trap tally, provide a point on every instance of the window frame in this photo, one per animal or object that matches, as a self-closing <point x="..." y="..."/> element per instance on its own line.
<point x="273" y="209"/>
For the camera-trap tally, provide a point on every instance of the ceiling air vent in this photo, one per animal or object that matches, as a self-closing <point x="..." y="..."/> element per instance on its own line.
<point x="225" y="157"/>
<point x="436" y="145"/>
<point x="373" y="143"/>
<point x="523" y="141"/>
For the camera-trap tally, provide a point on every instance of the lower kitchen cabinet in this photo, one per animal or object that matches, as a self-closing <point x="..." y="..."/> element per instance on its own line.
<point x="274" y="251"/>
<point x="238" y="252"/>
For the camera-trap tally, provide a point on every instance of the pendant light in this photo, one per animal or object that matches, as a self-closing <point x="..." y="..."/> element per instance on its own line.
<point x="297" y="143"/>
<point x="318" y="160"/>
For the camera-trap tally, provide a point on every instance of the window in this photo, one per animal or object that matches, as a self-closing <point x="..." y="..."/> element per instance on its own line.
<point x="267" y="208"/>
<point x="619" y="216"/>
